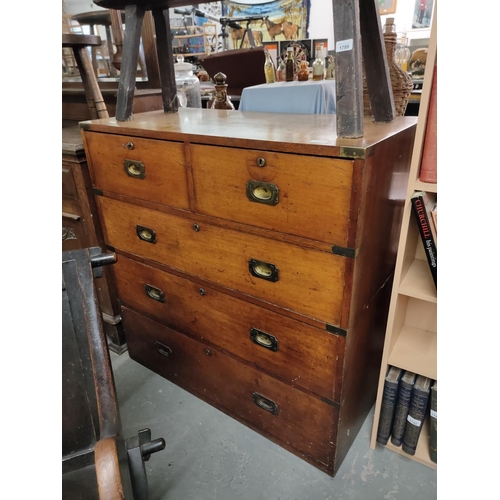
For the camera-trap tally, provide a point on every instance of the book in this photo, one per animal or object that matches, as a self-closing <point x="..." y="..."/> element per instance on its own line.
<point x="388" y="405"/>
<point x="416" y="414"/>
<point x="422" y="205"/>
<point x="428" y="164"/>
<point x="402" y="406"/>
<point x="433" y="417"/>
<point x="434" y="222"/>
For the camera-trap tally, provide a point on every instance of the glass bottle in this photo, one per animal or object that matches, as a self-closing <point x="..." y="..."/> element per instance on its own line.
<point x="402" y="53"/>
<point x="318" y="66"/>
<point x="269" y="70"/>
<point x="280" y="72"/>
<point x="221" y="99"/>
<point x="187" y="84"/>
<point x="303" y="73"/>
<point x="289" y="65"/>
<point x="330" y="68"/>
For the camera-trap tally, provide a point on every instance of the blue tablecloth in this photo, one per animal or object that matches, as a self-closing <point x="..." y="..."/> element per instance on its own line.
<point x="311" y="97"/>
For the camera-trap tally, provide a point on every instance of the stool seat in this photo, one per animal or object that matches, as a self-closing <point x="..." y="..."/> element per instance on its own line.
<point x="73" y="40"/>
<point x="100" y="17"/>
<point x="146" y="4"/>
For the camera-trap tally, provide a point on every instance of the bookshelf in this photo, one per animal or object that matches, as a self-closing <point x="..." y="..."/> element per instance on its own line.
<point x="197" y="44"/>
<point x="411" y="335"/>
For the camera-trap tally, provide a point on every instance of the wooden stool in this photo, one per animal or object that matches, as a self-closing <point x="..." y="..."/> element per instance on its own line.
<point x="79" y="44"/>
<point x="134" y="15"/>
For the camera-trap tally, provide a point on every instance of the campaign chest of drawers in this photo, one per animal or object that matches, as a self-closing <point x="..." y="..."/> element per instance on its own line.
<point x="255" y="254"/>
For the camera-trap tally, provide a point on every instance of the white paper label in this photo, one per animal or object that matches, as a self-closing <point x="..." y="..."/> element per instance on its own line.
<point x="343" y="45"/>
<point x="434" y="414"/>
<point x="414" y="421"/>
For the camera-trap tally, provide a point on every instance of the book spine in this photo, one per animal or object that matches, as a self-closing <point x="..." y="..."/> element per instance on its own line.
<point x="433" y="430"/>
<point x="387" y="409"/>
<point x="401" y="413"/>
<point x="428" y="166"/>
<point x="424" y="228"/>
<point x="415" y="420"/>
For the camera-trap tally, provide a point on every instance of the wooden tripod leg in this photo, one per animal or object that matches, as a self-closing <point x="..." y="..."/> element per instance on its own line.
<point x="165" y="60"/>
<point x="378" y="80"/>
<point x="134" y="14"/>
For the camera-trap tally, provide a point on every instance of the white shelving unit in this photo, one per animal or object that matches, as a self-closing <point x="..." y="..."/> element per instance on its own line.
<point x="411" y="336"/>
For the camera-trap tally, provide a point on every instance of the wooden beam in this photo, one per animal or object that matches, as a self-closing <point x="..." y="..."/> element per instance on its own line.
<point x="348" y="68"/>
<point x="165" y="60"/>
<point x="378" y="79"/>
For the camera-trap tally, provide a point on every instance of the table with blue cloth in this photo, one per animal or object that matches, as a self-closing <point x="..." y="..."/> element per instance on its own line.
<point x="311" y="97"/>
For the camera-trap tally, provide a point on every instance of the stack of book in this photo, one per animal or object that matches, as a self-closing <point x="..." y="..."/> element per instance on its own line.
<point x="408" y="399"/>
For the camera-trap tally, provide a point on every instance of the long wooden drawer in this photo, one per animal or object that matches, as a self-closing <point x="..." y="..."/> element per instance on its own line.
<point x="298" y="420"/>
<point x="302" y="195"/>
<point x="299" y="354"/>
<point x="307" y="281"/>
<point x="141" y="168"/>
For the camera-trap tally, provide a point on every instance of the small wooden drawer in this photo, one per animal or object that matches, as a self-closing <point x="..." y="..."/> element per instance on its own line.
<point x="296" y="194"/>
<point x="68" y="182"/>
<point x="146" y="169"/>
<point x="297" y="420"/>
<point x="74" y="235"/>
<point x="304" y="280"/>
<point x="299" y="354"/>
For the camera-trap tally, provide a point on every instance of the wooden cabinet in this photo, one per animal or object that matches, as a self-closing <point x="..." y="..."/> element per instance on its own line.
<point x="81" y="227"/>
<point x="255" y="257"/>
<point x="411" y="338"/>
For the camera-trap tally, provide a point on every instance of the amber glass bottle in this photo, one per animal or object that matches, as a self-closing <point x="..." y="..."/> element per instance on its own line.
<point x="289" y="68"/>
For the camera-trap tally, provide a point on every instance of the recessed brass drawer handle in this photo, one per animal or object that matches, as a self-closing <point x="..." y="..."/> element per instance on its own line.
<point x="262" y="192"/>
<point x="146" y="234"/>
<point x="261" y="162"/>
<point x="263" y="270"/>
<point x="134" y="169"/>
<point x="265" y="403"/>
<point x="154" y="293"/>
<point x="163" y="349"/>
<point x="264" y="339"/>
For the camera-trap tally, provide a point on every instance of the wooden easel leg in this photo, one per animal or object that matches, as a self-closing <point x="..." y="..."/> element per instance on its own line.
<point x="349" y="72"/>
<point x="134" y="14"/>
<point x="378" y="79"/>
<point x="165" y="60"/>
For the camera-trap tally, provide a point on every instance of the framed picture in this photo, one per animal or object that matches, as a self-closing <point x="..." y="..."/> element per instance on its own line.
<point x="387" y="6"/>
<point x="422" y="14"/>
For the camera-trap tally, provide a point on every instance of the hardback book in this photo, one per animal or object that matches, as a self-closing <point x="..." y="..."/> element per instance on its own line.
<point x="416" y="414"/>
<point x="422" y="205"/>
<point x="433" y="416"/>
<point x="434" y="222"/>
<point x="428" y="164"/>
<point x="388" y="405"/>
<point x="402" y="406"/>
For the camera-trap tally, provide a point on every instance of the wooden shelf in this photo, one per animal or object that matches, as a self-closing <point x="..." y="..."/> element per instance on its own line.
<point x="418" y="282"/>
<point x="422" y="453"/>
<point x="415" y="350"/>
<point x="189" y="36"/>
<point x="425" y="186"/>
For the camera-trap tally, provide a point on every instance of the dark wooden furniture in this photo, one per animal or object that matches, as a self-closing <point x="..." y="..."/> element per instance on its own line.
<point x="255" y="256"/>
<point x="81" y="227"/>
<point x="79" y="44"/>
<point x="97" y="462"/>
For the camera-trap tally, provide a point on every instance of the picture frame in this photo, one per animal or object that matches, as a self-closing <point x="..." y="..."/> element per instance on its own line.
<point x="387" y="7"/>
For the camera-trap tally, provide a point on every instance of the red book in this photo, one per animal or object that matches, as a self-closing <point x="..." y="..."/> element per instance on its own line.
<point x="428" y="166"/>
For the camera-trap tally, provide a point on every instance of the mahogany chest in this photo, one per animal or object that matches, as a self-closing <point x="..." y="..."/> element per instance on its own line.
<point x="255" y="256"/>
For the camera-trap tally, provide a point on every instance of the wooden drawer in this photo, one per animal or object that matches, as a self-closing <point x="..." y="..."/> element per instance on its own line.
<point x="74" y="234"/>
<point x="158" y="166"/>
<point x="303" y="422"/>
<point x="297" y="353"/>
<point x="68" y="182"/>
<point x="302" y="195"/>
<point x="307" y="281"/>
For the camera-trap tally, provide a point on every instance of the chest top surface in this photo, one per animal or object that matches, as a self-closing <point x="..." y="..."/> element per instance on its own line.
<point x="307" y="134"/>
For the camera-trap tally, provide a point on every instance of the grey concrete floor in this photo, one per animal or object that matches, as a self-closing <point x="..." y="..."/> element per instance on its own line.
<point x="210" y="456"/>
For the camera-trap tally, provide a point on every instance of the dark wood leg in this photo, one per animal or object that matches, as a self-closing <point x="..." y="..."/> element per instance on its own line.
<point x="348" y="69"/>
<point x="165" y="60"/>
<point x="134" y="14"/>
<point x="378" y="79"/>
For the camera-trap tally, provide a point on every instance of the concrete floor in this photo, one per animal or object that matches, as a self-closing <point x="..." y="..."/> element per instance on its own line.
<point x="209" y="456"/>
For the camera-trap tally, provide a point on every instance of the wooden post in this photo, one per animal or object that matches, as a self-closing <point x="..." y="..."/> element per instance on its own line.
<point x="150" y="56"/>
<point x="116" y="29"/>
<point x="348" y="69"/>
<point x="378" y="79"/>
<point x="134" y="14"/>
<point x="165" y="60"/>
